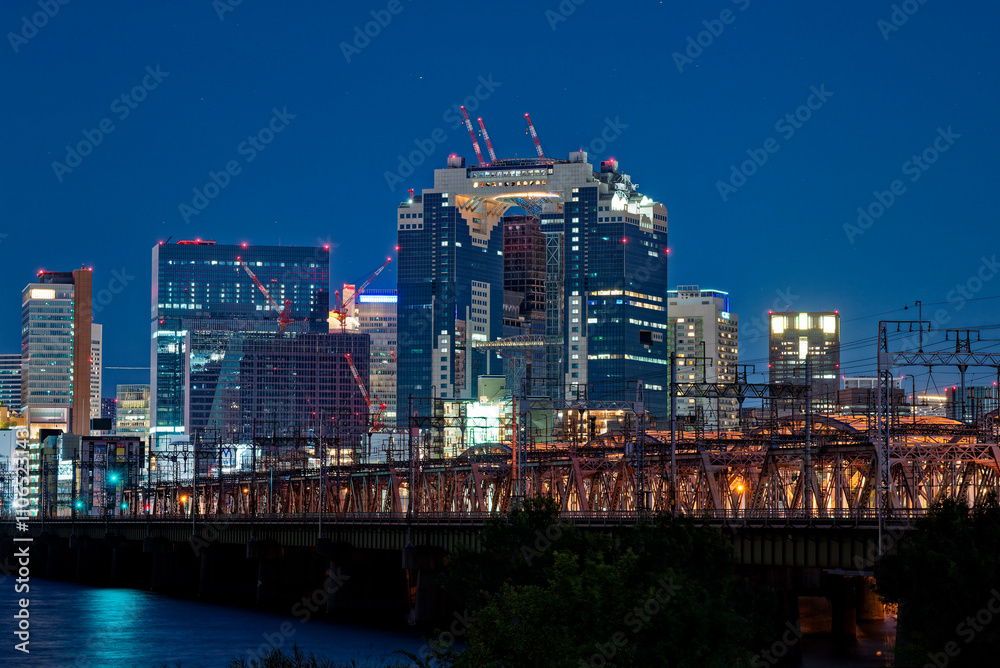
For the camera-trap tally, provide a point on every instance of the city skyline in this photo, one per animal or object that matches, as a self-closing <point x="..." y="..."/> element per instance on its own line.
<point x="814" y="176"/>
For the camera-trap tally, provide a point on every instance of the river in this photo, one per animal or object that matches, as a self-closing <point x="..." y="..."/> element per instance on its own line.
<point x="78" y="626"/>
<point x="83" y="627"/>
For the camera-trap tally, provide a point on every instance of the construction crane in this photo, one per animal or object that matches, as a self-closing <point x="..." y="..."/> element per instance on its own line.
<point x="284" y="315"/>
<point x="534" y="136"/>
<point x="375" y="410"/>
<point x="472" y="136"/>
<point x="342" y="310"/>
<point x="486" y="136"/>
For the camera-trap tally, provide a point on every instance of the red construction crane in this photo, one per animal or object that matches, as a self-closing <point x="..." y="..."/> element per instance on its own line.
<point x="486" y="136"/>
<point x="375" y="410"/>
<point x="472" y="136"/>
<point x="534" y="136"/>
<point x="284" y="316"/>
<point x="341" y="311"/>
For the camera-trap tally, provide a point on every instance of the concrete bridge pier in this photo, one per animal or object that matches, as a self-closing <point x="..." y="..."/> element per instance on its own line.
<point x="870" y="606"/>
<point x="267" y="554"/>
<point x="59" y="557"/>
<point x="163" y="576"/>
<point x="844" y="606"/>
<point x="338" y="583"/>
<point x="93" y="561"/>
<point x="421" y="564"/>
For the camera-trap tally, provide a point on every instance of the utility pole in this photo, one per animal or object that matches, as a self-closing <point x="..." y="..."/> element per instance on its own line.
<point x="673" y="433"/>
<point x="807" y="472"/>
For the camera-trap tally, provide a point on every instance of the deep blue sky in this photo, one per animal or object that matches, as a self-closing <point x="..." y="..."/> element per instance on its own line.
<point x="780" y="237"/>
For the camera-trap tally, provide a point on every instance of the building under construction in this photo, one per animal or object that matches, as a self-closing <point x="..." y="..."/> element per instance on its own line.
<point x="601" y="281"/>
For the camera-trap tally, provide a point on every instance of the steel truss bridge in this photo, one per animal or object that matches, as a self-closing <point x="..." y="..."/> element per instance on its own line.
<point x="824" y="470"/>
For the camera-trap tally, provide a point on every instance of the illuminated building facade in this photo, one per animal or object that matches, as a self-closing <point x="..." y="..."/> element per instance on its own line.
<point x="796" y="337"/>
<point x="973" y="405"/>
<point x="605" y="277"/>
<point x="55" y="351"/>
<point x="206" y="309"/>
<point x="705" y="336"/>
<point x="96" y="368"/>
<point x="376" y="314"/>
<point x="10" y="382"/>
<point x="132" y="411"/>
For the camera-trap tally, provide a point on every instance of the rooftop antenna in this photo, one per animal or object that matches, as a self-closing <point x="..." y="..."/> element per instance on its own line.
<point x="534" y="136"/>
<point x="486" y="136"/>
<point x="472" y="136"/>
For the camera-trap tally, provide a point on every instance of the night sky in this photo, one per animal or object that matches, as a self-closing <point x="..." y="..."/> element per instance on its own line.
<point x="678" y="115"/>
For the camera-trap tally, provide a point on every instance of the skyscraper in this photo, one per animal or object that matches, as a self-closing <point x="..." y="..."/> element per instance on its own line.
<point x="376" y="314"/>
<point x="705" y="336"/>
<point x="132" y="411"/>
<point x="96" y="368"/>
<point x="605" y="277"/>
<point x="55" y="351"/>
<point x="223" y="362"/>
<point x="10" y="382"/>
<point x="796" y="337"/>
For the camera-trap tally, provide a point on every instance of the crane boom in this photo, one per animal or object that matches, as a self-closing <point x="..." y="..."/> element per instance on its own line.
<point x="375" y="410"/>
<point x="472" y="136"/>
<point x="283" y="315"/>
<point x="340" y="313"/>
<point x="534" y="136"/>
<point x="489" y="145"/>
<point x="357" y="378"/>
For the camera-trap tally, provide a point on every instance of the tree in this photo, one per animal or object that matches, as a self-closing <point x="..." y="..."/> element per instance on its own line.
<point x="546" y="593"/>
<point x="945" y="578"/>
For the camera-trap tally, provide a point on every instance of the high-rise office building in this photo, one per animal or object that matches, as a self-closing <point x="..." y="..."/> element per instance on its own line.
<point x="55" y="351"/>
<point x="705" y="337"/>
<point x="376" y="314"/>
<point x="524" y="302"/>
<point x="109" y="409"/>
<point x="796" y="337"/>
<point x="605" y="277"/>
<point x="970" y="408"/>
<point x="96" y="368"/>
<point x="10" y="382"/>
<point x="223" y="364"/>
<point x="132" y="411"/>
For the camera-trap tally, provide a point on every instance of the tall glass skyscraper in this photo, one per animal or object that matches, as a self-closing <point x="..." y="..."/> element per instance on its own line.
<point x="605" y="279"/>
<point x="221" y="360"/>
